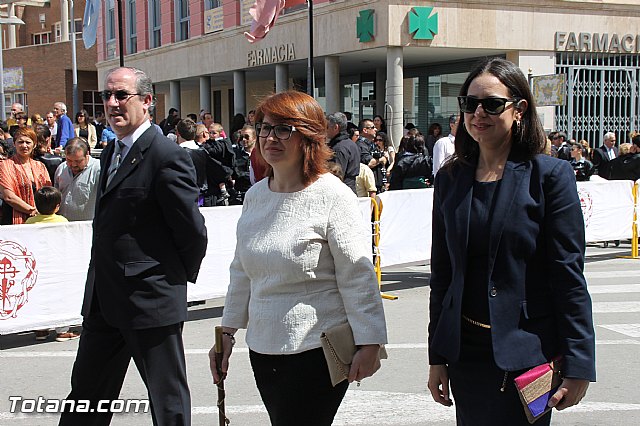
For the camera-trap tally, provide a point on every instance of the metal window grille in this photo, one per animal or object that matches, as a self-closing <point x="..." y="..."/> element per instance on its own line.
<point x="602" y="96"/>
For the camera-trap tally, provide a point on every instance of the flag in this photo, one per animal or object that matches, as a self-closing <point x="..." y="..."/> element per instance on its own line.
<point x="264" y="14"/>
<point x="90" y="23"/>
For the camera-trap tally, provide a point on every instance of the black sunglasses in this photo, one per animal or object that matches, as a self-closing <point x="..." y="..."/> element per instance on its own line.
<point x="121" y="95"/>
<point x="282" y="131"/>
<point x="246" y="136"/>
<point x="492" y="105"/>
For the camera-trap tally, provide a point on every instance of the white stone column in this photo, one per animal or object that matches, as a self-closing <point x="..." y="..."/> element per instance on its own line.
<point x="64" y="20"/>
<point x="282" y="77"/>
<point x="239" y="93"/>
<point x="205" y="93"/>
<point x="395" y="95"/>
<point x="381" y="90"/>
<point x="332" y="83"/>
<point x="174" y="97"/>
<point x="11" y="39"/>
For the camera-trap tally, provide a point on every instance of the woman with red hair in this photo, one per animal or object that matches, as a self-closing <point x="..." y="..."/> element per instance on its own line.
<point x="302" y="266"/>
<point x="20" y="177"/>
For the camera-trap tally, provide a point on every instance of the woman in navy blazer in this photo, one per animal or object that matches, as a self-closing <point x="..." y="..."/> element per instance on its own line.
<point x="507" y="285"/>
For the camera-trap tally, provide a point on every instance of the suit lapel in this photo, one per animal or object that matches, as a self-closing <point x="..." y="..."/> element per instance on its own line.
<point x="133" y="158"/>
<point x="105" y="162"/>
<point x="462" y="210"/>
<point x="510" y="187"/>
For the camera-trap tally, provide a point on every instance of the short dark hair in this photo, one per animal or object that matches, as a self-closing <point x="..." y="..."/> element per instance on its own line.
<point x="186" y="129"/>
<point x="635" y="139"/>
<point x="47" y="199"/>
<point x="77" y="144"/>
<point x="193" y="117"/>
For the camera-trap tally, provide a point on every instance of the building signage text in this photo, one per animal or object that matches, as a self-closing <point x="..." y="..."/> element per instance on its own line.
<point x="605" y="42"/>
<point x="271" y="55"/>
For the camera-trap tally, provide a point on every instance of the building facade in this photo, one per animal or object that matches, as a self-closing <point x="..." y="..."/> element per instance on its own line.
<point x="402" y="59"/>
<point x="38" y="62"/>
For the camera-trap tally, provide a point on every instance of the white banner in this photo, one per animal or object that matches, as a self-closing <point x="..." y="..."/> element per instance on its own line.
<point x="405" y="226"/>
<point x="607" y="207"/>
<point x="43" y="267"/>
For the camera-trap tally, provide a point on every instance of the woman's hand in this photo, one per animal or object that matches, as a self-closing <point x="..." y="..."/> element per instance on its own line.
<point x="366" y="362"/>
<point x="439" y="384"/>
<point x="570" y="392"/>
<point x="227" y="347"/>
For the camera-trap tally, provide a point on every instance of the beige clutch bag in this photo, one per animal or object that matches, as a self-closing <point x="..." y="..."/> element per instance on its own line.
<point x="339" y="347"/>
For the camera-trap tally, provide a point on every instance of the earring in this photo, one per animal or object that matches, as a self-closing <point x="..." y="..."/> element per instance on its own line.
<point x="518" y="127"/>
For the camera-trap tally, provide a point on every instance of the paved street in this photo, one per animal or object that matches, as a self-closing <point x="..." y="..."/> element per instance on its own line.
<point x="397" y="395"/>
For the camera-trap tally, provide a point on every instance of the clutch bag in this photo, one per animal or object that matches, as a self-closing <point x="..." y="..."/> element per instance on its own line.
<point x="339" y="347"/>
<point x="536" y="386"/>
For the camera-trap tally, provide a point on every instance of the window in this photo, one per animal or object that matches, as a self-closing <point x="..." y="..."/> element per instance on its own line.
<point x="154" y="24"/>
<point x="212" y="4"/>
<point x="131" y="27"/>
<point x="11" y="98"/>
<point x="78" y="26"/>
<point x="92" y="102"/>
<point x="110" y="30"/>
<point x="182" y="19"/>
<point x="57" y="29"/>
<point x="41" y="38"/>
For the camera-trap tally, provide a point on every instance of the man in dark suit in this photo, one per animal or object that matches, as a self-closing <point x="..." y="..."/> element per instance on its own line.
<point x="602" y="156"/>
<point x="148" y="240"/>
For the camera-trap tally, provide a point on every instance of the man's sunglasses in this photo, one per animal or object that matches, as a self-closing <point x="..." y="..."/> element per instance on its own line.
<point x="121" y="95"/>
<point x="492" y="105"/>
<point x="282" y="131"/>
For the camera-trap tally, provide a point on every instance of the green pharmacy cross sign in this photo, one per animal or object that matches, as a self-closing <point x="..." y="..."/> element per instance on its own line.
<point x="421" y="25"/>
<point x="365" y="29"/>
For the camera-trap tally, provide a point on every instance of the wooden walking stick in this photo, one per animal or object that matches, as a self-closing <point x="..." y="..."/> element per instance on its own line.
<point x="222" y="417"/>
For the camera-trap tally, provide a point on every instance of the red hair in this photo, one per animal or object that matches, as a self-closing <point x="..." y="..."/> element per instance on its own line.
<point x="302" y="111"/>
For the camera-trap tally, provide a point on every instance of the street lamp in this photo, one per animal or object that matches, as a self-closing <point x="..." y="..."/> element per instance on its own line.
<point x="11" y="20"/>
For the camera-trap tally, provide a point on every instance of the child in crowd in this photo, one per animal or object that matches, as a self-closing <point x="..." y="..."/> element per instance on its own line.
<point x="48" y="201"/>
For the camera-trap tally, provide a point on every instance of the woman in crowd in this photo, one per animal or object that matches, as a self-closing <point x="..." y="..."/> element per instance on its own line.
<point x="42" y="151"/>
<point x="84" y="128"/>
<point x="507" y="286"/>
<point x="413" y="168"/>
<point x="433" y="134"/>
<point x="302" y="266"/>
<point x="36" y="119"/>
<point x="20" y="177"/>
<point x="582" y="167"/>
<point x="379" y="123"/>
<point x="383" y="170"/>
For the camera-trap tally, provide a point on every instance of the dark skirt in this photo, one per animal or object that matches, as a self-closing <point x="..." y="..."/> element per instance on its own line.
<point x="296" y="389"/>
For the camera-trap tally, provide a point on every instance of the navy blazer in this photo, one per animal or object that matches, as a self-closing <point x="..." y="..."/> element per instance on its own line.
<point x="538" y="300"/>
<point x="149" y="237"/>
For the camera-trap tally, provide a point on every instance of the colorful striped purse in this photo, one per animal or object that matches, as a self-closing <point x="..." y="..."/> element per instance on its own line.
<point x="536" y="386"/>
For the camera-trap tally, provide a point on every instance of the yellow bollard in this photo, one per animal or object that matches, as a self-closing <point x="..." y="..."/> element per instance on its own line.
<point x="634" y="226"/>
<point x="376" y="249"/>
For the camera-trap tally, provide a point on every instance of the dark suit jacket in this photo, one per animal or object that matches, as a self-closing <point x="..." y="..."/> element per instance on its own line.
<point x="149" y="237"/>
<point x="538" y="300"/>
<point x="601" y="161"/>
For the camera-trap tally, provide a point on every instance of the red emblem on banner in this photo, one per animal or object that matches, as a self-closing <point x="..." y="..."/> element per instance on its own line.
<point x="586" y="202"/>
<point x="18" y="275"/>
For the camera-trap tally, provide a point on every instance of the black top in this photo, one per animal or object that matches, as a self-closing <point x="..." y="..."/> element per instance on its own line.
<point x="476" y="287"/>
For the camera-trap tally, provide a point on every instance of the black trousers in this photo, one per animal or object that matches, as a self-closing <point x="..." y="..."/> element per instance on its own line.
<point x="296" y="389"/>
<point x="101" y="364"/>
<point x="476" y="383"/>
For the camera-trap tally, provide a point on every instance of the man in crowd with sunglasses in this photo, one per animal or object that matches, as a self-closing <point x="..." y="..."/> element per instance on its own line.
<point x="65" y="130"/>
<point x="445" y="147"/>
<point x="149" y="239"/>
